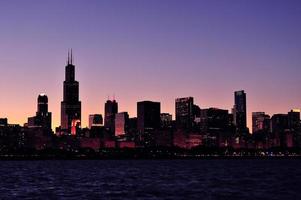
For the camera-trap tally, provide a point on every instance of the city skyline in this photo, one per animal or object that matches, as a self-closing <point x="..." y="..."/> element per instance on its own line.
<point x="150" y="99"/>
<point x="85" y="122"/>
<point x="69" y="93"/>
<point x="159" y="57"/>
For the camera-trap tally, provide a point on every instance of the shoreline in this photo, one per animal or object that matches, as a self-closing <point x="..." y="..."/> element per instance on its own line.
<point x="74" y="158"/>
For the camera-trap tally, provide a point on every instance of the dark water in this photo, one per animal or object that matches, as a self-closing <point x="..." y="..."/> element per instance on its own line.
<point x="187" y="179"/>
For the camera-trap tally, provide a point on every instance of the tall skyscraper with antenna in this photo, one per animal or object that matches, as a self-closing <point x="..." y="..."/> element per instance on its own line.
<point x="70" y="106"/>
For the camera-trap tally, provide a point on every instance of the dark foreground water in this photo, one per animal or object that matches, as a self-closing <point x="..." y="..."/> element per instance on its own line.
<point x="152" y="179"/>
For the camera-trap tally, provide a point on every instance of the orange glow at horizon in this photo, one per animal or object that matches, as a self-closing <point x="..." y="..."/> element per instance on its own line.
<point x="19" y="116"/>
<point x="147" y="50"/>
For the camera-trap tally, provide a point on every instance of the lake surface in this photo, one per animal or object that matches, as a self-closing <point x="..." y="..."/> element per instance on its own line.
<point x="151" y="179"/>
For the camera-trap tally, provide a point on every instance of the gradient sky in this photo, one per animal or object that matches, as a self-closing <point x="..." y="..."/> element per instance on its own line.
<point x="150" y="50"/>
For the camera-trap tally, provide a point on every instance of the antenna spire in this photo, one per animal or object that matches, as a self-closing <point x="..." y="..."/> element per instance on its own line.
<point x="71" y="57"/>
<point x="68" y="60"/>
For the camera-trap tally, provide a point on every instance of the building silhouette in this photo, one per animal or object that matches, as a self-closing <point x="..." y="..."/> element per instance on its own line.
<point x="148" y="120"/>
<point x="70" y="106"/>
<point x="280" y="128"/>
<point x="111" y="108"/>
<point x="3" y="122"/>
<point x="261" y="122"/>
<point x="95" y="120"/>
<point x="148" y="114"/>
<point x="121" y="124"/>
<point x="166" y="120"/>
<point x="43" y="117"/>
<point x="184" y="112"/>
<point x="279" y="123"/>
<point x="214" y="121"/>
<point x="240" y="111"/>
<point x="294" y="120"/>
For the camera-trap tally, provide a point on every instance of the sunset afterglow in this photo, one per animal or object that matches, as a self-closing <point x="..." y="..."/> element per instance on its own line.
<point x="150" y="50"/>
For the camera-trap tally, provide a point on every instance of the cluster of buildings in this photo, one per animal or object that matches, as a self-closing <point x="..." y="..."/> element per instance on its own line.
<point x="193" y="126"/>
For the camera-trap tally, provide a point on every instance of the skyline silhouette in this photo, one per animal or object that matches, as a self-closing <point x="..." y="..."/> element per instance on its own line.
<point x="84" y="121"/>
<point x="150" y="99"/>
<point x="151" y="51"/>
<point x="71" y="102"/>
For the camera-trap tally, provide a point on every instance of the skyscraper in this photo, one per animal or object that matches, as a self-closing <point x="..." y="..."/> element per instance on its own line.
<point x="279" y="123"/>
<point x="121" y="123"/>
<point x="148" y="114"/>
<point x="95" y="120"/>
<point x="240" y="109"/>
<point x="111" y="108"/>
<point x="70" y="106"/>
<point x="294" y="120"/>
<point x="148" y="120"/>
<point x="42" y="104"/>
<point x="280" y="127"/>
<point x="214" y="120"/>
<point x="43" y="117"/>
<point x="184" y="112"/>
<point x="260" y="122"/>
<point x="166" y="120"/>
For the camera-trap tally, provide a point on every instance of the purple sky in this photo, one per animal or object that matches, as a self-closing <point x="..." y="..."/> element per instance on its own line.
<point x="150" y="50"/>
